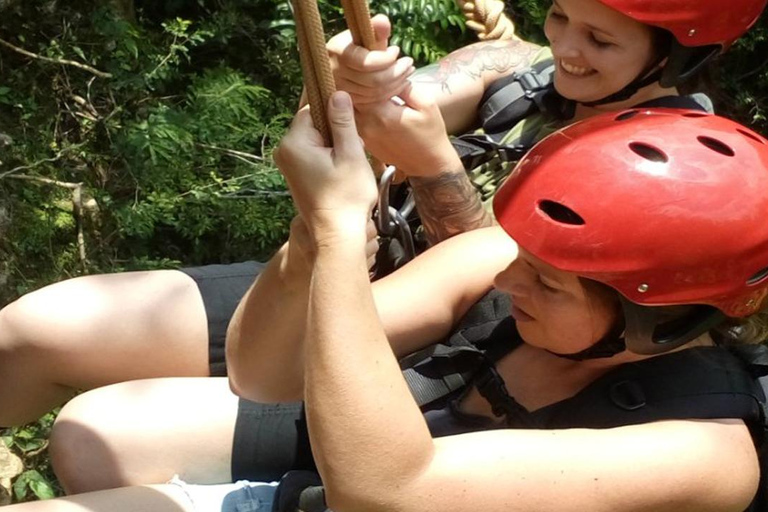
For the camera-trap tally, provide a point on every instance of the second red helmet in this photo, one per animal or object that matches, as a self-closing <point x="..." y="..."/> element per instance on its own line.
<point x="668" y="207"/>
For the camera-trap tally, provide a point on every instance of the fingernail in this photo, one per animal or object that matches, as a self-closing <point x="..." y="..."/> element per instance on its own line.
<point x="341" y="100"/>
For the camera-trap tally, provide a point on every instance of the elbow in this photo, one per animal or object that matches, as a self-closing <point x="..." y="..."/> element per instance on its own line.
<point x="251" y="383"/>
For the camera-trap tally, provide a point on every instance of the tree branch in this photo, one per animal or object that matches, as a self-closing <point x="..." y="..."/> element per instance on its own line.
<point x="7" y="174"/>
<point x="64" y="62"/>
<point x="77" y="207"/>
<point x="232" y="152"/>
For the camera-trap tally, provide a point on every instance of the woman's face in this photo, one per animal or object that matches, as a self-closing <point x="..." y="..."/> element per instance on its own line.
<point x="553" y="310"/>
<point x="598" y="51"/>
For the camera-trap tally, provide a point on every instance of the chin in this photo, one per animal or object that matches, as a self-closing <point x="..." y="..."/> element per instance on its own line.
<point x="574" y="91"/>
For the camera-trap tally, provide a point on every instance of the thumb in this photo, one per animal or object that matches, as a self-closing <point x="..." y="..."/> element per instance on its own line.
<point x="416" y="98"/>
<point x="341" y="118"/>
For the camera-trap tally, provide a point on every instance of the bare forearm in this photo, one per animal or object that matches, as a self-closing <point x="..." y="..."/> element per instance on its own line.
<point x="448" y="204"/>
<point x="354" y="389"/>
<point x="264" y="339"/>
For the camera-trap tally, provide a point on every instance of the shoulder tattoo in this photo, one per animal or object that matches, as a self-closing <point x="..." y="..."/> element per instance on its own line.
<point x="474" y="60"/>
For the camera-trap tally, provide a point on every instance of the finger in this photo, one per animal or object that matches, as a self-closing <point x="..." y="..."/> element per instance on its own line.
<point x="341" y="117"/>
<point x="360" y="59"/>
<point x="401" y="69"/>
<point x="362" y="94"/>
<point x="303" y="129"/>
<point x="382" y="29"/>
<point x="417" y="98"/>
<point x="370" y="230"/>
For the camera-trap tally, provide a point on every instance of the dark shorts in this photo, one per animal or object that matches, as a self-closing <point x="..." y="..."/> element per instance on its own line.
<point x="222" y="287"/>
<point x="272" y="439"/>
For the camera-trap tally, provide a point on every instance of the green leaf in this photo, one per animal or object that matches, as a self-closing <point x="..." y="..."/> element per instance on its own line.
<point x="79" y="52"/>
<point x="41" y="487"/>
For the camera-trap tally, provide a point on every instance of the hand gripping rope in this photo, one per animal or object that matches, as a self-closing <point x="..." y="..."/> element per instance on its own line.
<point x="484" y="16"/>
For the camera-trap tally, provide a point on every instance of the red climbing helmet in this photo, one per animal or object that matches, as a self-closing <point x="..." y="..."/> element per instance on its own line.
<point x="701" y="29"/>
<point x="695" y="22"/>
<point x="668" y="207"/>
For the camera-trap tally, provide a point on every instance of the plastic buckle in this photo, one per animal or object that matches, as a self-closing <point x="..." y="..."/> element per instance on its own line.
<point x="628" y="395"/>
<point x="530" y="82"/>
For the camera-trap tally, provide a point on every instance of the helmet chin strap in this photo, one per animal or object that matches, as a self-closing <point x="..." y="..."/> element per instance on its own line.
<point x="611" y="344"/>
<point x="645" y="79"/>
<point x="605" y="348"/>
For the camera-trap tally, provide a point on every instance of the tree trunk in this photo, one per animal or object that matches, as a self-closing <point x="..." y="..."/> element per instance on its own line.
<point x="124" y="8"/>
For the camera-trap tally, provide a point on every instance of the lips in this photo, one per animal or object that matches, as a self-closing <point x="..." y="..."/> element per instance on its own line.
<point x="520" y="315"/>
<point x="576" y="71"/>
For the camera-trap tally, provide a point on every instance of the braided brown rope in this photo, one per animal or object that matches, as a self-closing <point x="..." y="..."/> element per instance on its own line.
<point x="358" y="18"/>
<point x="315" y="64"/>
<point x="487" y="18"/>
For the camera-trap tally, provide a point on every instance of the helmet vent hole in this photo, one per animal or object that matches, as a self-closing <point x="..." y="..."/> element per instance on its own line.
<point x="629" y="114"/>
<point x="759" y="277"/>
<point x="716" y="146"/>
<point x="560" y="213"/>
<point x="695" y="115"/>
<point x="750" y="135"/>
<point x="649" y="152"/>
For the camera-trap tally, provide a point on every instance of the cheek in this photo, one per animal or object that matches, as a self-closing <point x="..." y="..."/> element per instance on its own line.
<point x="576" y="328"/>
<point x="550" y="30"/>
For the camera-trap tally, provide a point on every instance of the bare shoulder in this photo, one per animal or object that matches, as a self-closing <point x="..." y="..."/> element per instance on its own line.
<point x="485" y="61"/>
<point x="681" y="465"/>
<point x="420" y="302"/>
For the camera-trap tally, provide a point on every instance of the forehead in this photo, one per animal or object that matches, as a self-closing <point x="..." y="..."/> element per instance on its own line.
<point x="547" y="270"/>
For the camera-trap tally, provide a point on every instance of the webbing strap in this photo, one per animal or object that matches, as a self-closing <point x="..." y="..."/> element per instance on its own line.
<point x="515" y="97"/>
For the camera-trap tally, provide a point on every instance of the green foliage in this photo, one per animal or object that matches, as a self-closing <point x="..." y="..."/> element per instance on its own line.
<point x="30" y="442"/>
<point x="425" y="29"/>
<point x="168" y="160"/>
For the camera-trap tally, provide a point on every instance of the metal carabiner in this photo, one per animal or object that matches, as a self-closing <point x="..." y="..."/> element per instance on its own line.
<point x="384" y="223"/>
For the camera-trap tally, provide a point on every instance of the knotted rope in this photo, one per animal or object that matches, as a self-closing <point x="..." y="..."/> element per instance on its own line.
<point x="487" y="18"/>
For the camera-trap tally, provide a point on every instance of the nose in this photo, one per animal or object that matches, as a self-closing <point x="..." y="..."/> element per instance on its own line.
<point x="565" y="44"/>
<point x="513" y="280"/>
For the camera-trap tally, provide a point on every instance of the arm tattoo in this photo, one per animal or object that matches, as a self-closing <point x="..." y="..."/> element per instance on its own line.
<point x="448" y="204"/>
<point x="474" y="60"/>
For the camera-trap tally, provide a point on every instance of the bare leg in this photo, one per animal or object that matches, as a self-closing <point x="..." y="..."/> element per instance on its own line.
<point x="156" y="498"/>
<point x="145" y="432"/>
<point x="97" y="330"/>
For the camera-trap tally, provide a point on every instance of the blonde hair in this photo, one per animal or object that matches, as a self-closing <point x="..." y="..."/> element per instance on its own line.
<point x="744" y="331"/>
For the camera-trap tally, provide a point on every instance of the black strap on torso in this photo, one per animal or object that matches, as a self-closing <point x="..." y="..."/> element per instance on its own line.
<point x="511" y="99"/>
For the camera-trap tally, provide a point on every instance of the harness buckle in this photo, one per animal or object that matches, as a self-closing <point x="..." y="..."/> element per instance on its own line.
<point x="531" y="82"/>
<point x="628" y="395"/>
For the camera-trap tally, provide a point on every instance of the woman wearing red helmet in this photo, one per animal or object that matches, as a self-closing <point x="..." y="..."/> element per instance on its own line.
<point x="606" y="55"/>
<point x="671" y="271"/>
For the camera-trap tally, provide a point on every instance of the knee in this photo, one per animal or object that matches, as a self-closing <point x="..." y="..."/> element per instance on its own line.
<point x="82" y="449"/>
<point x="21" y="323"/>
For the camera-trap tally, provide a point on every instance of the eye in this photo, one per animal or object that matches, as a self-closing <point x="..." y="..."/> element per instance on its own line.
<point x="555" y="15"/>
<point x="546" y="287"/>
<point x="599" y="43"/>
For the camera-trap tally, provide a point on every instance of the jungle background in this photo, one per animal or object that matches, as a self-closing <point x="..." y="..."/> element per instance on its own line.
<point x="136" y="135"/>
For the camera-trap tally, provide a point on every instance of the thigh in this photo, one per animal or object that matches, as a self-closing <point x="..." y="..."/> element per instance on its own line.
<point x="95" y="330"/>
<point x="156" y="498"/>
<point x="146" y="432"/>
